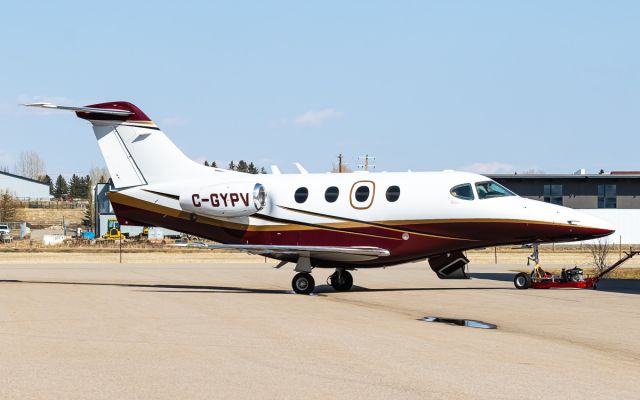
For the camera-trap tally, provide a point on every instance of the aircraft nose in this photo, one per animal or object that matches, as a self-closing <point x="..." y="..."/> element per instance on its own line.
<point x="570" y="224"/>
<point x="590" y="226"/>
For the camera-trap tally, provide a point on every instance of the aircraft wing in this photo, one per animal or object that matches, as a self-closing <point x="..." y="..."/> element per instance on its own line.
<point x="328" y="253"/>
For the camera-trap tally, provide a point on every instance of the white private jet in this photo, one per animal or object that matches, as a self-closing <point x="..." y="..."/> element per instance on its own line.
<point x="341" y="221"/>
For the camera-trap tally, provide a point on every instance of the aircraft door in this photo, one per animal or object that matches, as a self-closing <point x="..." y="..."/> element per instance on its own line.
<point x="362" y="194"/>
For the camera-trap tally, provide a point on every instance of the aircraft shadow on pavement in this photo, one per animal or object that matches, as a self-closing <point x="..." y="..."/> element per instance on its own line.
<point x="629" y="286"/>
<point x="493" y="276"/>
<point x="165" y="288"/>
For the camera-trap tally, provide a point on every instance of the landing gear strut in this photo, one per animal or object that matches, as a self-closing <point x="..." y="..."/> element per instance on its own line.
<point x="303" y="283"/>
<point x="341" y="280"/>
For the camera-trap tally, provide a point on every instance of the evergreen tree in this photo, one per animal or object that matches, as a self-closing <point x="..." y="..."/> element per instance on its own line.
<point x="252" y="168"/>
<point x="206" y="163"/>
<point x="232" y="166"/>
<point x="213" y="164"/>
<point x="47" y="180"/>
<point x="75" y="186"/>
<point x="61" y="187"/>
<point x="86" y="185"/>
<point x="88" y="219"/>
<point x="262" y="170"/>
<point x="7" y="206"/>
<point x="242" y="166"/>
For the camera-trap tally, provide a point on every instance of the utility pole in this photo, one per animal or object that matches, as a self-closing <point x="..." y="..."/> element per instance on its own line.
<point x="366" y="164"/>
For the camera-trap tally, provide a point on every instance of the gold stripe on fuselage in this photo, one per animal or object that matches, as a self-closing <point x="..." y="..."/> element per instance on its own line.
<point x="332" y="226"/>
<point x="120" y="198"/>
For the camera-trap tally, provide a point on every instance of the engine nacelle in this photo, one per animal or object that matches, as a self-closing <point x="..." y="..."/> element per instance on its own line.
<point x="236" y="199"/>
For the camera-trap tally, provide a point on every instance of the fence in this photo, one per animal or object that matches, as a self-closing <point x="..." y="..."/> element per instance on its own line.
<point x="52" y="204"/>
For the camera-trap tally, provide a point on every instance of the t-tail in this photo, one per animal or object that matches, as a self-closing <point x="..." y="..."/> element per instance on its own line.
<point x="135" y="150"/>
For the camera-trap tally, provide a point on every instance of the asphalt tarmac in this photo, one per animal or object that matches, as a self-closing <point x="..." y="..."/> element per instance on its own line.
<point x="197" y="331"/>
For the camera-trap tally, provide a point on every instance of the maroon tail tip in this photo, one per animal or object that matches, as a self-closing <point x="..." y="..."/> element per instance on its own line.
<point x="136" y="113"/>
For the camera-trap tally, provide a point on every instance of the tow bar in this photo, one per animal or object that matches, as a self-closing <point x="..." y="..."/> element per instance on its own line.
<point x="570" y="278"/>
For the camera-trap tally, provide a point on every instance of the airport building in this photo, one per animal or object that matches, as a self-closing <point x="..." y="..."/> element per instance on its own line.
<point x="614" y="197"/>
<point x="104" y="213"/>
<point x="23" y="188"/>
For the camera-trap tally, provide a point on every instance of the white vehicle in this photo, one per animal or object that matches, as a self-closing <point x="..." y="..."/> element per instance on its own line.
<point x="4" y="229"/>
<point x="341" y="221"/>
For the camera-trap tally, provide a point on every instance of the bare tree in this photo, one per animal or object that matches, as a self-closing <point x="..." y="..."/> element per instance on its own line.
<point x="344" y="169"/>
<point x="30" y="165"/>
<point x="7" y="206"/>
<point x="98" y="175"/>
<point x="600" y="250"/>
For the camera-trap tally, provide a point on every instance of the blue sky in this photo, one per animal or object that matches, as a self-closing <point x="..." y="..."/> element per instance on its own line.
<point x="489" y="86"/>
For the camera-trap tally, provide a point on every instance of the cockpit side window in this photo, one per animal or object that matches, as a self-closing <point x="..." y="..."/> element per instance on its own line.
<point x="464" y="191"/>
<point x="491" y="189"/>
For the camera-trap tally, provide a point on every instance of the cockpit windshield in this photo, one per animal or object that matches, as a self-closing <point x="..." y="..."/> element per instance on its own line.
<point x="464" y="191"/>
<point x="491" y="189"/>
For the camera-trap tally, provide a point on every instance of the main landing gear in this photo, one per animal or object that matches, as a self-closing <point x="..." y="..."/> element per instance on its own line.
<point x="341" y="281"/>
<point x="303" y="283"/>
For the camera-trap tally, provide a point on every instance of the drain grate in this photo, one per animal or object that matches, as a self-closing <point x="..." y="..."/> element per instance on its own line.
<point x="461" y="322"/>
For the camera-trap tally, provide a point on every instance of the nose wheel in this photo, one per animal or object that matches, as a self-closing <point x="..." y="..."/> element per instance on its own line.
<point x="303" y="283"/>
<point x="341" y="280"/>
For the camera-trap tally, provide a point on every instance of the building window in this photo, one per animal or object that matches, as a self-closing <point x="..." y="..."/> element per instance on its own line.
<point x="393" y="193"/>
<point x="331" y="194"/>
<point x="553" y="194"/>
<point x="607" y="196"/>
<point x="301" y="195"/>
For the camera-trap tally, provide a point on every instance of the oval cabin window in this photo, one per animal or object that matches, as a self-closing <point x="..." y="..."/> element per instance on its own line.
<point x="362" y="194"/>
<point x="393" y="193"/>
<point x="301" y="195"/>
<point x="331" y="194"/>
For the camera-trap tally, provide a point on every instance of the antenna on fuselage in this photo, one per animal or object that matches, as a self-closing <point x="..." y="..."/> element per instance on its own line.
<point x="300" y="168"/>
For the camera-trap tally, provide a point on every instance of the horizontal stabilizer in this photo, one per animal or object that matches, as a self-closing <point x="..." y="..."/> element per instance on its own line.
<point x="80" y="109"/>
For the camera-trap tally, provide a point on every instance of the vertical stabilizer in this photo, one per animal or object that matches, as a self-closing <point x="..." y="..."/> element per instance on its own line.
<point x="135" y="150"/>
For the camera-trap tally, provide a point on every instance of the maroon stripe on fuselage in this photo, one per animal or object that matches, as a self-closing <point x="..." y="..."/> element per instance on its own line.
<point x="489" y="233"/>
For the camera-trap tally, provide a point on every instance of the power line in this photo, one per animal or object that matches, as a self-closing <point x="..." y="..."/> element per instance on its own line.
<point x="366" y="165"/>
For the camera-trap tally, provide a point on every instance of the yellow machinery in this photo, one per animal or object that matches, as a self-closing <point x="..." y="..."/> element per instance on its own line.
<point x="113" y="230"/>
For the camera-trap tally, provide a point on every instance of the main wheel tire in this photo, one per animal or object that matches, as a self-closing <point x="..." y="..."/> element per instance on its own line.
<point x="522" y="281"/>
<point x="341" y="282"/>
<point x="303" y="283"/>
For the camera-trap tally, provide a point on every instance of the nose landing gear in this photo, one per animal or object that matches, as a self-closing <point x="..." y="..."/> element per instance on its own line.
<point x="341" y="280"/>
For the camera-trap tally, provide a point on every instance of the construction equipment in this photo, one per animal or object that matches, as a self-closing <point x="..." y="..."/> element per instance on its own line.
<point x="568" y="278"/>
<point x="113" y="230"/>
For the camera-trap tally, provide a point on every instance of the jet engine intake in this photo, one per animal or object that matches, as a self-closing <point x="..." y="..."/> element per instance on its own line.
<point x="238" y="199"/>
<point x="450" y="265"/>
